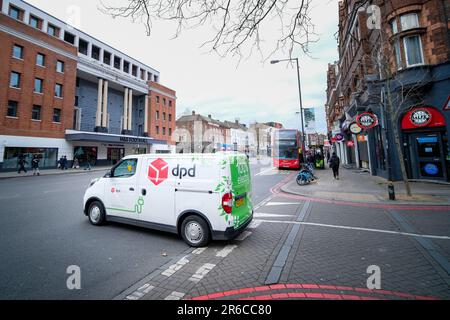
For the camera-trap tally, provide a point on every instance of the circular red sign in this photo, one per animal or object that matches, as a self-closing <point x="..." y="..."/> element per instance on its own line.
<point x="421" y="117"/>
<point x="367" y="120"/>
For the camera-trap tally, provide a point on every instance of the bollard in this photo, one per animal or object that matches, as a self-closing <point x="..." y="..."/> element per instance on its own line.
<point x="391" y="191"/>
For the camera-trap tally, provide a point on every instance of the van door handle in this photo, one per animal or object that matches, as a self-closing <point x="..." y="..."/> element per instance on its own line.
<point x="144" y="192"/>
<point x="131" y="189"/>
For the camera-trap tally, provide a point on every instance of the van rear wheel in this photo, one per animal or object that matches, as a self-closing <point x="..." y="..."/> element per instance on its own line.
<point x="195" y="231"/>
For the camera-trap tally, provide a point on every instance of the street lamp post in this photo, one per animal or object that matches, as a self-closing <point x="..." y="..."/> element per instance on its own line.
<point x="301" y="102"/>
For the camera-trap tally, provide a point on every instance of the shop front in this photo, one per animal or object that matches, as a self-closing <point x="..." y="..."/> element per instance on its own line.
<point x="425" y="139"/>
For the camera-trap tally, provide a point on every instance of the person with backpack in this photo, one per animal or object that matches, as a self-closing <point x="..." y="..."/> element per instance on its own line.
<point x="335" y="162"/>
<point x="35" y="165"/>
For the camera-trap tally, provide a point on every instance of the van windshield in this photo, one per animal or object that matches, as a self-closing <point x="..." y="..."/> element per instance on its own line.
<point x="125" y="169"/>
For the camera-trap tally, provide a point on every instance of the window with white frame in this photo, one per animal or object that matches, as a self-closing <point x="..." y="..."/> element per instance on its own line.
<point x="394" y="26"/>
<point x="409" y="21"/>
<point x="413" y="50"/>
<point x="398" y="54"/>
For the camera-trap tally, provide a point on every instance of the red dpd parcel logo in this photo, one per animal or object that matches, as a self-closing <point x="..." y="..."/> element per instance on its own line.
<point x="158" y="171"/>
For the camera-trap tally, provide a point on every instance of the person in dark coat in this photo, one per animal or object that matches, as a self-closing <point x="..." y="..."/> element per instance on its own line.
<point x="22" y="162"/>
<point x="35" y="165"/>
<point x="335" y="163"/>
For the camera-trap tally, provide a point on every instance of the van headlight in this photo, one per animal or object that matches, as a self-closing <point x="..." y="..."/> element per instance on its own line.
<point x="93" y="182"/>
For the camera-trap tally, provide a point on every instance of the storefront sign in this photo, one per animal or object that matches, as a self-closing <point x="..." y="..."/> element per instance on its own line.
<point x="133" y="140"/>
<point x="361" y="138"/>
<point x="355" y="128"/>
<point x="422" y="117"/>
<point x="367" y="120"/>
<point x="431" y="169"/>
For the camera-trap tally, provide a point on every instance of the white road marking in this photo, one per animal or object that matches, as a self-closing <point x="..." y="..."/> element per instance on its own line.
<point x="272" y="215"/>
<point x="175" y="267"/>
<point x="360" y="229"/>
<point x="226" y="251"/>
<point x="202" y="272"/>
<point x="255" y="224"/>
<point x="146" y="288"/>
<point x="199" y="251"/>
<point x="139" y="293"/>
<point x="175" y="296"/>
<point x="271" y="204"/>
<point x="264" y="172"/>
<point x="244" y="235"/>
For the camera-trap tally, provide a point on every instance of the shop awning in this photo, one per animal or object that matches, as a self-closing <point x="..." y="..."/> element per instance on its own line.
<point x="72" y="135"/>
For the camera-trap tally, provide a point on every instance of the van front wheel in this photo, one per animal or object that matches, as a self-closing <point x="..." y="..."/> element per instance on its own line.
<point x="195" y="231"/>
<point x="96" y="213"/>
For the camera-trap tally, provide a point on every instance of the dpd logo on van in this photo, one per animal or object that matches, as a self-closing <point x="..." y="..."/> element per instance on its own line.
<point x="158" y="171"/>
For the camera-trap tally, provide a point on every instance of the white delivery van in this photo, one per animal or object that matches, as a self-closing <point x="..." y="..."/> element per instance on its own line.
<point x="200" y="197"/>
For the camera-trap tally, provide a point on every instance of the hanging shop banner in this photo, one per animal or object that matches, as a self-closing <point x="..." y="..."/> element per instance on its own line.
<point x="361" y="138"/>
<point x="367" y="120"/>
<point x="355" y="128"/>
<point x="339" y="137"/>
<point x="422" y="117"/>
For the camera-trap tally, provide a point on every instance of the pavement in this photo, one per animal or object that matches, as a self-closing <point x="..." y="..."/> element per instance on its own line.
<point x="359" y="186"/>
<point x="50" y="172"/>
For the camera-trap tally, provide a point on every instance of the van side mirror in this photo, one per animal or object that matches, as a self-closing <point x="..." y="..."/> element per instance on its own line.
<point x="108" y="174"/>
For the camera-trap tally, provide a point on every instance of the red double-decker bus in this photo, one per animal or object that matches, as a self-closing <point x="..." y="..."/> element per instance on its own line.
<point x="287" y="147"/>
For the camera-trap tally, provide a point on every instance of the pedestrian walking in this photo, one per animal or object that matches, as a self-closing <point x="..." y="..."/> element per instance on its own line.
<point x="35" y="165"/>
<point x="88" y="163"/>
<point x="22" y="162"/>
<point x="65" y="163"/>
<point x="335" y="162"/>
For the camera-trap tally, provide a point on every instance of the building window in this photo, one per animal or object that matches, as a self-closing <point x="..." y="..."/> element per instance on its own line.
<point x="17" y="52"/>
<point x="394" y="26"/>
<point x="170" y="131"/>
<point x="36" y="113"/>
<point x="95" y="54"/>
<point x="157" y="115"/>
<point x="76" y="101"/>
<point x="156" y="78"/>
<point x="413" y="51"/>
<point x="164" y="116"/>
<point x="60" y="66"/>
<point x="107" y="58"/>
<point x="12" y="109"/>
<point x="40" y="60"/>
<point x="117" y="61"/>
<point x="38" y="85"/>
<point x="170" y="103"/>
<point x="126" y="67"/>
<point x="52" y="30"/>
<point x="142" y="74"/>
<point x="164" y="101"/>
<point x="15" y="13"/>
<point x="157" y="99"/>
<point x="409" y="21"/>
<point x="398" y="54"/>
<point x="170" y="117"/>
<point x="83" y="47"/>
<point x="57" y="115"/>
<point x="164" y="131"/>
<point x="58" y="90"/>
<point x="149" y="76"/>
<point x="35" y="22"/>
<point x="134" y="70"/>
<point x="14" y="82"/>
<point x="157" y="130"/>
<point x="69" y="38"/>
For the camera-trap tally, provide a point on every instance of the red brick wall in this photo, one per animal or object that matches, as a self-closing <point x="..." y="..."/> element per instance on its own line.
<point x="29" y="71"/>
<point x="154" y="106"/>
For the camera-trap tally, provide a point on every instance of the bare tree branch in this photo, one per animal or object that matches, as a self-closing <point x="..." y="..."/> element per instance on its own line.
<point x="238" y="25"/>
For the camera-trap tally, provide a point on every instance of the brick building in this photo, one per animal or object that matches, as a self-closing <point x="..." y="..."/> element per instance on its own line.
<point x="64" y="92"/>
<point x="397" y="50"/>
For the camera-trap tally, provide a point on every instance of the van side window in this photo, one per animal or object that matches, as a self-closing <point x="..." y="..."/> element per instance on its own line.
<point x="125" y="169"/>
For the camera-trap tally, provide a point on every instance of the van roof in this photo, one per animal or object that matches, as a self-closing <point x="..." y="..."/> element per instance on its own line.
<point x="183" y="155"/>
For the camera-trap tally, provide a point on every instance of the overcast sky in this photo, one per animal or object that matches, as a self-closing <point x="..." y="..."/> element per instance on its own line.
<point x="204" y="82"/>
